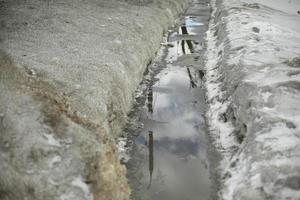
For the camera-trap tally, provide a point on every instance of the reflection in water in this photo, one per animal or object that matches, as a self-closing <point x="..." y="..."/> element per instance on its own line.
<point x="151" y="156"/>
<point x="174" y="110"/>
<point x="182" y="46"/>
<point x="193" y="84"/>
<point x="150" y="100"/>
<point x="180" y="171"/>
<point x="189" y="42"/>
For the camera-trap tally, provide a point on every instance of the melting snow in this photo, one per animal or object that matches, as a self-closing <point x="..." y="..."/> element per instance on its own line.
<point x="260" y="60"/>
<point x="52" y="141"/>
<point x="54" y="160"/>
<point x="78" y="182"/>
<point x="123" y="155"/>
<point x="266" y="96"/>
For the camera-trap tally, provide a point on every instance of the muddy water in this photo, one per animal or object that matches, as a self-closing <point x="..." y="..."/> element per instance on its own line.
<point x="171" y="156"/>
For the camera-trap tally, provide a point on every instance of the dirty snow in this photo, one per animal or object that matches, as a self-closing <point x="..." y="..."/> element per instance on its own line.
<point x="68" y="72"/>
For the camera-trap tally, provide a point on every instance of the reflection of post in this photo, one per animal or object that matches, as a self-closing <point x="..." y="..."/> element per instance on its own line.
<point x="151" y="161"/>
<point x="193" y="84"/>
<point x="190" y="45"/>
<point x="150" y="101"/>
<point x="189" y="42"/>
<point x="182" y="46"/>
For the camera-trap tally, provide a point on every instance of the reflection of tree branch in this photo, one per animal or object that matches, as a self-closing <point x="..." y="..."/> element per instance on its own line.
<point x="193" y="84"/>
<point x="150" y="101"/>
<point x="182" y="46"/>
<point x="190" y="45"/>
<point x="151" y="161"/>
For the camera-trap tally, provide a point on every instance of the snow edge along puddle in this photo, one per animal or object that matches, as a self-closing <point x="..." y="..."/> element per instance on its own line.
<point x="220" y="131"/>
<point x="245" y="99"/>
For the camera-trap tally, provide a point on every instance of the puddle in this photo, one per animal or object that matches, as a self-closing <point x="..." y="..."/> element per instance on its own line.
<point x="171" y="156"/>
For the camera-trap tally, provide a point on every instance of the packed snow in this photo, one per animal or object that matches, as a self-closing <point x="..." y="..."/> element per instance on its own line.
<point x="253" y="87"/>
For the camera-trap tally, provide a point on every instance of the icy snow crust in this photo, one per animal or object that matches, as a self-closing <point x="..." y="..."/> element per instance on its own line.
<point x="253" y="83"/>
<point x="68" y="70"/>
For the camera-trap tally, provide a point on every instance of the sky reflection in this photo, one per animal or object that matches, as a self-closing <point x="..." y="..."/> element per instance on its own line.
<point x="170" y="161"/>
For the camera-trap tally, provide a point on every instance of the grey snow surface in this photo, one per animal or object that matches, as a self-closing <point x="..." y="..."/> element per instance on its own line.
<point x="68" y="70"/>
<point x="253" y="83"/>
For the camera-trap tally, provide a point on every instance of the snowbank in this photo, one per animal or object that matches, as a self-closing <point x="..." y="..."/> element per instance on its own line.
<point x="253" y="83"/>
<point x="68" y="70"/>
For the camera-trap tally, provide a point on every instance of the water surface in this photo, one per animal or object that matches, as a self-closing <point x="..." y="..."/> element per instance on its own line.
<point x="170" y="157"/>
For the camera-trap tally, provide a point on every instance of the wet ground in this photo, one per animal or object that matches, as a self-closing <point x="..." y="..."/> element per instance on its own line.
<point x="171" y="154"/>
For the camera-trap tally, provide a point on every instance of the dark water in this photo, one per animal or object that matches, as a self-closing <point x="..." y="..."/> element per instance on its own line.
<point x="171" y="156"/>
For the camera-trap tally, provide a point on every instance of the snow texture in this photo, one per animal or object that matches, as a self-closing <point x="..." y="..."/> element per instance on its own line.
<point x="122" y="150"/>
<point x="68" y="71"/>
<point x="253" y="87"/>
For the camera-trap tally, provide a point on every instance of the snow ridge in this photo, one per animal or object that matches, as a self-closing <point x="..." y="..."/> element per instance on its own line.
<point x="253" y="81"/>
<point x="214" y="93"/>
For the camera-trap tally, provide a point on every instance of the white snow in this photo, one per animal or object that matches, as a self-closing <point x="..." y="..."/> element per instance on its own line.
<point x="51" y="140"/>
<point x="289" y="6"/>
<point x="220" y="130"/>
<point x="54" y="160"/>
<point x="121" y="144"/>
<point x="67" y="196"/>
<point x="266" y="96"/>
<point x="254" y="48"/>
<point x="78" y="182"/>
<point x="279" y="138"/>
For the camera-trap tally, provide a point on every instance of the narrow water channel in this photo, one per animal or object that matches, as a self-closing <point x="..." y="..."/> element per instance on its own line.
<point x="171" y="157"/>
